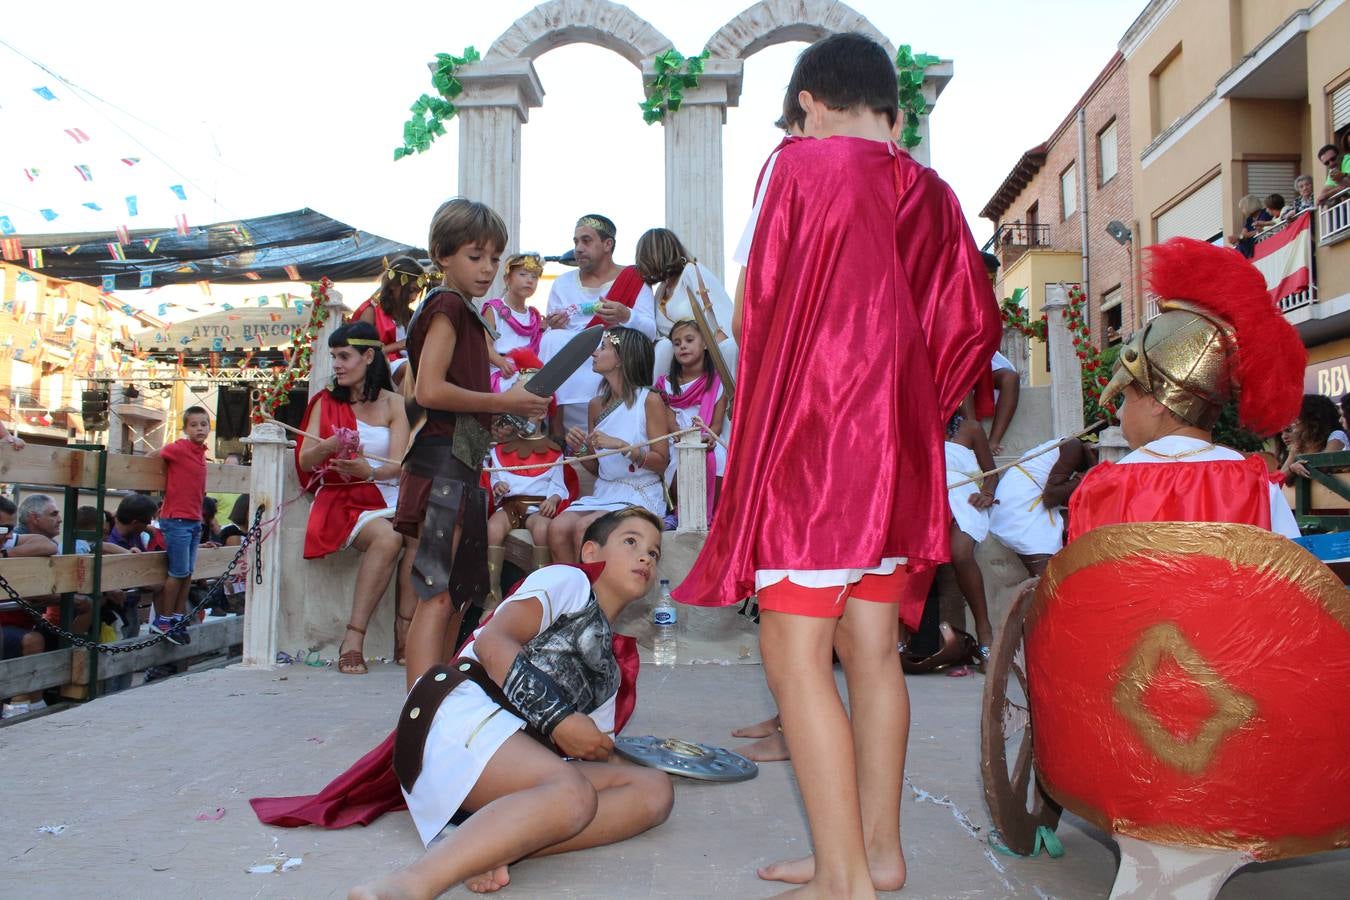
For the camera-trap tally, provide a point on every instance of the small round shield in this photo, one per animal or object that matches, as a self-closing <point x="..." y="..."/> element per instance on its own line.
<point x="697" y="761"/>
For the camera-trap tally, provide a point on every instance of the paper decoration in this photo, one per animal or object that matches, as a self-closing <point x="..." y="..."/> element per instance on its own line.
<point x="48" y="214"/>
<point x="94" y="206"/>
<point x="181" y="222"/>
<point x="127" y="310"/>
<point x="45" y="93"/>
<point x="178" y="191"/>
<point x="34" y="259"/>
<point x="87" y="176"/>
<point x="227" y="306"/>
<point x="163" y="311"/>
<point x="109" y="283"/>
<point x="217" y="344"/>
<point x="293" y="273"/>
<point x="32" y="174"/>
<point x="116" y="252"/>
<point x="11" y="248"/>
<point x="77" y="135"/>
<point x="6" y="226"/>
<point x="146" y="279"/>
<point x="253" y="276"/>
<point x="205" y="286"/>
<point x="131" y="206"/>
<point x="131" y="160"/>
<point x="123" y="234"/>
<point x="70" y="251"/>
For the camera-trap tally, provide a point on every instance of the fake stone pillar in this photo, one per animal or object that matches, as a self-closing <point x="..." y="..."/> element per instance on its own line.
<point x="320" y="363"/>
<point x="497" y="99"/>
<point x="1066" y="373"/>
<point x="935" y="79"/>
<point x="692" y="481"/>
<point x="1111" y="446"/>
<point x="694" y="160"/>
<point x="271" y="457"/>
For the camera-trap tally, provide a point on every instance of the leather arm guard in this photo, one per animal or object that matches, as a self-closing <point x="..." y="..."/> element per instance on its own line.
<point x="536" y="695"/>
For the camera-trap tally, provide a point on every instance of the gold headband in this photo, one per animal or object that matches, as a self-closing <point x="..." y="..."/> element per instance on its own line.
<point x="613" y="338"/>
<point x="600" y="225"/>
<point x="530" y="262"/>
<point x="365" y="342"/>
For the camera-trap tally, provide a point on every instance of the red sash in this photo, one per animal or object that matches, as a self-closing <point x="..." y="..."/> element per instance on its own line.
<point x="625" y="290"/>
<point x="1235" y="491"/>
<point x="338" y="500"/>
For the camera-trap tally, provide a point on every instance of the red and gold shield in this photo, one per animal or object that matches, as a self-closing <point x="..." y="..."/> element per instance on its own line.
<point x="1190" y="684"/>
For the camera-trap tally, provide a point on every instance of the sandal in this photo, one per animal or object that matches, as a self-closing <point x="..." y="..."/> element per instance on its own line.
<point x="353" y="662"/>
<point x="401" y="646"/>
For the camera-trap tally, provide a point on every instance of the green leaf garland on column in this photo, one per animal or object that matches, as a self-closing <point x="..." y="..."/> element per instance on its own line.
<point x="675" y="73"/>
<point x="909" y="70"/>
<point x="428" y="112"/>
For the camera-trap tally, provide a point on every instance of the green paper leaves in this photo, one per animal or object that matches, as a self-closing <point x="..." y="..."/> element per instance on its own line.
<point x="430" y="113"/>
<point x="909" y="69"/>
<point x="675" y="73"/>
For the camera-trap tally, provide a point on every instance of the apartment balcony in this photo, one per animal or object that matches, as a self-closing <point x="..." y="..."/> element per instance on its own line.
<point x="1333" y="220"/>
<point x="1012" y="239"/>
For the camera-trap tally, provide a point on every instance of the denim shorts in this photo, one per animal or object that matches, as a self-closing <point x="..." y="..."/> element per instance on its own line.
<point x="181" y="538"/>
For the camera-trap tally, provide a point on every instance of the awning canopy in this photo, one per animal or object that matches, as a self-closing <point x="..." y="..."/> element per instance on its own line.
<point x="296" y="246"/>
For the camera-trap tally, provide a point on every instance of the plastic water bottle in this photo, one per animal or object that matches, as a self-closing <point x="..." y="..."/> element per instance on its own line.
<point x="665" y="618"/>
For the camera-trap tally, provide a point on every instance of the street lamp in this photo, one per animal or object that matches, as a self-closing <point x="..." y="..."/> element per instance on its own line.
<point x="1122" y="235"/>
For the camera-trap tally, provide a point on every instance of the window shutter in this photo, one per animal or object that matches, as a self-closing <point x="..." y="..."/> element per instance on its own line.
<point x="1340" y="107"/>
<point x="1199" y="216"/>
<point x="1265" y="178"/>
<point x="1106" y="153"/>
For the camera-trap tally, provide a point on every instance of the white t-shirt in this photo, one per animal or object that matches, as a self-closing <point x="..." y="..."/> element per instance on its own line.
<point x="1170" y="448"/>
<point x="742" y="254"/>
<point x="1339" y="435"/>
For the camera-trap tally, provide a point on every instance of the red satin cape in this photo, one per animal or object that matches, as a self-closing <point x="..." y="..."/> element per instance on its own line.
<point x="868" y="317"/>
<point x="338" y="500"/>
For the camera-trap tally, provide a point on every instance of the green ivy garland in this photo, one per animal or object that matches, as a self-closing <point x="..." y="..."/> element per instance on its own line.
<point x="909" y="69"/>
<point x="1018" y="319"/>
<point x="429" y="113"/>
<point x="674" y="74"/>
<point x="302" y="346"/>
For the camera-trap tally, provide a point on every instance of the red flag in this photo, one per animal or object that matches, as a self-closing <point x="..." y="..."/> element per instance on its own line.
<point x="12" y="249"/>
<point x="123" y="234"/>
<point x="293" y="273"/>
<point x="181" y="221"/>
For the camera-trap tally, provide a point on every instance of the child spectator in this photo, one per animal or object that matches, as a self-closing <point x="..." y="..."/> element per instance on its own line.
<point x="1314" y="431"/>
<point x="1274" y="208"/>
<point x="693" y="391"/>
<point x="528" y="498"/>
<point x="1251" y="208"/>
<point x="517" y="325"/>
<point x="232" y="535"/>
<point x="180" y="520"/>
<point x="440" y="502"/>
<point x="859" y="256"/>
<point x="626" y="412"/>
<point x="210" y="532"/>
<point x="967" y="453"/>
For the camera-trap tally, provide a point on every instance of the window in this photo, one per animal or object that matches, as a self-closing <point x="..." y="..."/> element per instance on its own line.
<point x="1106" y="153"/>
<point x="1199" y="215"/>
<point x="1068" y="191"/>
<point x="1111" y="315"/>
<point x="1166" y="93"/>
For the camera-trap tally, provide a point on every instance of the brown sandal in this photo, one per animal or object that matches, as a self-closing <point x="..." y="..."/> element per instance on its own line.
<point x="353" y="662"/>
<point x="401" y="646"/>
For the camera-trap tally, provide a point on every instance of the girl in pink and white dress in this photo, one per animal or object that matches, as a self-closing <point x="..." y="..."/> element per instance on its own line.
<point x="694" y="393"/>
<point x="516" y="324"/>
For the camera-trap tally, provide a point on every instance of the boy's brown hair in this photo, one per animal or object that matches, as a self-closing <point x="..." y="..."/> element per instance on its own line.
<point x="845" y="72"/>
<point x="459" y="221"/>
<point x="195" y="411"/>
<point x="599" y="531"/>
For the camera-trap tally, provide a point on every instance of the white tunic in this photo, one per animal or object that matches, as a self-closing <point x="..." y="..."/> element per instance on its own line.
<point x="1169" y="449"/>
<point x="961" y="465"/>
<point x="570" y="296"/>
<point x="507" y="339"/>
<point x="1019" y="519"/>
<point x="620" y="483"/>
<point x="469" y="728"/>
<point x="375" y="442"/>
<point x="676" y="308"/>
<point x="548" y="483"/>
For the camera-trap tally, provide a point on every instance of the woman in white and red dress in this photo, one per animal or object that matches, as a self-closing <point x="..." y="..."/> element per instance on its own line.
<point x="357" y="422"/>
<point x="389" y="309"/>
<point x="516" y="324"/>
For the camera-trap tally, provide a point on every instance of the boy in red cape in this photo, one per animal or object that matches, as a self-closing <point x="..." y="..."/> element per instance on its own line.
<point x="866" y="317"/>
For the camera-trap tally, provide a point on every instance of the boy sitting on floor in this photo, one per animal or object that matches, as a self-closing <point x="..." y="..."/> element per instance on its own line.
<point x="545" y="659"/>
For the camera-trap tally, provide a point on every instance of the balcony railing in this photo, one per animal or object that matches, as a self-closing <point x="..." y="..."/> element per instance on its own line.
<point x="1016" y="234"/>
<point x="1333" y="219"/>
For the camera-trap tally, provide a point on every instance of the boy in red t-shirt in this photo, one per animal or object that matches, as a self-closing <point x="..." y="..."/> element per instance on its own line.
<point x="180" y="519"/>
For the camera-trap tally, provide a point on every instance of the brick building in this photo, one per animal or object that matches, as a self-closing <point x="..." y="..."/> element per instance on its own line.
<point x="1051" y="214"/>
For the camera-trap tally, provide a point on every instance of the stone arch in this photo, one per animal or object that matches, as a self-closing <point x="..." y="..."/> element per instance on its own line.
<point x="772" y="22"/>
<point x="561" y="22"/>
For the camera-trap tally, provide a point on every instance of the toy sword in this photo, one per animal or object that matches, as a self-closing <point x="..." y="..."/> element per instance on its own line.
<point x="557" y="370"/>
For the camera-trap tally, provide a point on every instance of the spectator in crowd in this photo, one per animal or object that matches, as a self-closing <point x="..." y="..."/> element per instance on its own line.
<point x="232" y="535"/>
<point x="20" y="638"/>
<point x="39" y="515"/>
<point x="210" y="531"/>
<point x="1337" y="164"/>
<point x="234" y="459"/>
<point x="180" y="519"/>
<point x="516" y="324"/>
<point x="1253" y="214"/>
<point x="389" y="309"/>
<point x="8" y="437"/>
<point x="1303" y="196"/>
<point x="92" y="520"/>
<point x="1274" y="204"/>
<point x="1314" y="431"/>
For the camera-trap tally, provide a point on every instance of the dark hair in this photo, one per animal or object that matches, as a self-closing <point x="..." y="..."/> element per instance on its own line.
<point x="1275" y="201"/>
<point x="210" y="506"/>
<point x="599" y="531"/>
<point x="377" y="370"/>
<point x="636" y="358"/>
<point x="673" y="382"/>
<point x="606" y="231"/>
<point x="1325" y="148"/>
<point x="460" y="221"/>
<point x="196" y="411"/>
<point x="87" y="518"/>
<point x="1319" y="418"/>
<point x="136" y="508"/>
<point x="402" y="281"/>
<point x="7" y="506"/>
<point x="239" y="512"/>
<point x="845" y="72"/>
<point x="660" y="255"/>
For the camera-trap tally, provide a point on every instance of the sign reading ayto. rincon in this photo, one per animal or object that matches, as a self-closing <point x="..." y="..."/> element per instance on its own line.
<point x="262" y="328"/>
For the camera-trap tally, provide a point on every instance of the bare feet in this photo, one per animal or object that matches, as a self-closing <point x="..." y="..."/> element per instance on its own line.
<point x="768" y="749"/>
<point x="761" y="730"/>
<point x="384" y="889"/>
<point x="888" y="872"/>
<point x="489" y="882"/>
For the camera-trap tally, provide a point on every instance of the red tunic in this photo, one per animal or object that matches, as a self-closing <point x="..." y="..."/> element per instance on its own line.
<point x="338" y="500"/>
<point x="868" y="316"/>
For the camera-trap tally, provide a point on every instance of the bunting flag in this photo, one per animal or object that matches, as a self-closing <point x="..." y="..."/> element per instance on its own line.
<point x="123" y="235"/>
<point x="227" y="306"/>
<point x="12" y="248"/>
<point x="77" y="135"/>
<point x="253" y="276"/>
<point x="109" y="283"/>
<point x="274" y="317"/>
<point x="146" y="279"/>
<point x="178" y="191"/>
<point x="131" y="160"/>
<point x="293" y="273"/>
<point x="6" y="226"/>
<point x="116" y="252"/>
<point x="45" y="93"/>
<point x="70" y="250"/>
<point x="34" y="259"/>
<point x="151" y="244"/>
<point x="94" y="206"/>
<point x="48" y="214"/>
<point x="131" y="205"/>
<point x="180" y="221"/>
<point x="87" y="176"/>
<point x="32" y="174"/>
<point x="205" y="286"/>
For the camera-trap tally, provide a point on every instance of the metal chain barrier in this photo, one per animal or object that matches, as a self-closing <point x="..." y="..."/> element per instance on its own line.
<point x="252" y="537"/>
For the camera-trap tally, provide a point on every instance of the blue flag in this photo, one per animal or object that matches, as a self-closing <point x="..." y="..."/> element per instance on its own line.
<point x="131" y="205"/>
<point x="145" y="279"/>
<point x="45" y="93"/>
<point x="6" y="226"/>
<point x="48" y="214"/>
<point x="178" y="191"/>
<point x="94" y="206"/>
<point x="109" y="283"/>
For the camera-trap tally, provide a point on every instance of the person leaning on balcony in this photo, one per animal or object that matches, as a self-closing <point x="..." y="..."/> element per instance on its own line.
<point x="1314" y="431"/>
<point x="1253" y="214"/>
<point x="1303" y="197"/>
<point x="1337" y="162"/>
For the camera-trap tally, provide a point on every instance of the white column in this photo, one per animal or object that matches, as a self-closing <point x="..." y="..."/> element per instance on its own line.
<point x="935" y="79"/>
<point x="1112" y="446"/>
<point x="694" y="160"/>
<point x="320" y="363"/>
<point x="271" y="457"/>
<point x="1066" y="372"/>
<point x="692" y="482"/>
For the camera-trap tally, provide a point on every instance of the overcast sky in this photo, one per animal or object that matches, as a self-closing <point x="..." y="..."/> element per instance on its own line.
<point x="257" y="108"/>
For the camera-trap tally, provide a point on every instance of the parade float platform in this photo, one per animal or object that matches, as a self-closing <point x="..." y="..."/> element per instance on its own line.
<point x="124" y="781"/>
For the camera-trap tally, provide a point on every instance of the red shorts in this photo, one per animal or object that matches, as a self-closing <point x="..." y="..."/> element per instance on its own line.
<point x="787" y="596"/>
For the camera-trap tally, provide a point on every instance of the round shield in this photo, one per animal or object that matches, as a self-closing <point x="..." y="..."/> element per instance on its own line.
<point x="697" y="761"/>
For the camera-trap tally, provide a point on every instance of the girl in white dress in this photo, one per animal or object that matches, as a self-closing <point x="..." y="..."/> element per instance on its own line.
<point x="625" y="412"/>
<point x="674" y="274"/>
<point x="516" y="324"/>
<point x="695" y="394"/>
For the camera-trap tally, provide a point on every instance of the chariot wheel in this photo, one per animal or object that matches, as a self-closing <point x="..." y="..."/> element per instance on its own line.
<point x="1016" y="802"/>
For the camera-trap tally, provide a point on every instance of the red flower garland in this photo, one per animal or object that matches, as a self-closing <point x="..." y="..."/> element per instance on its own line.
<point x="1096" y="373"/>
<point x="300" y="354"/>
